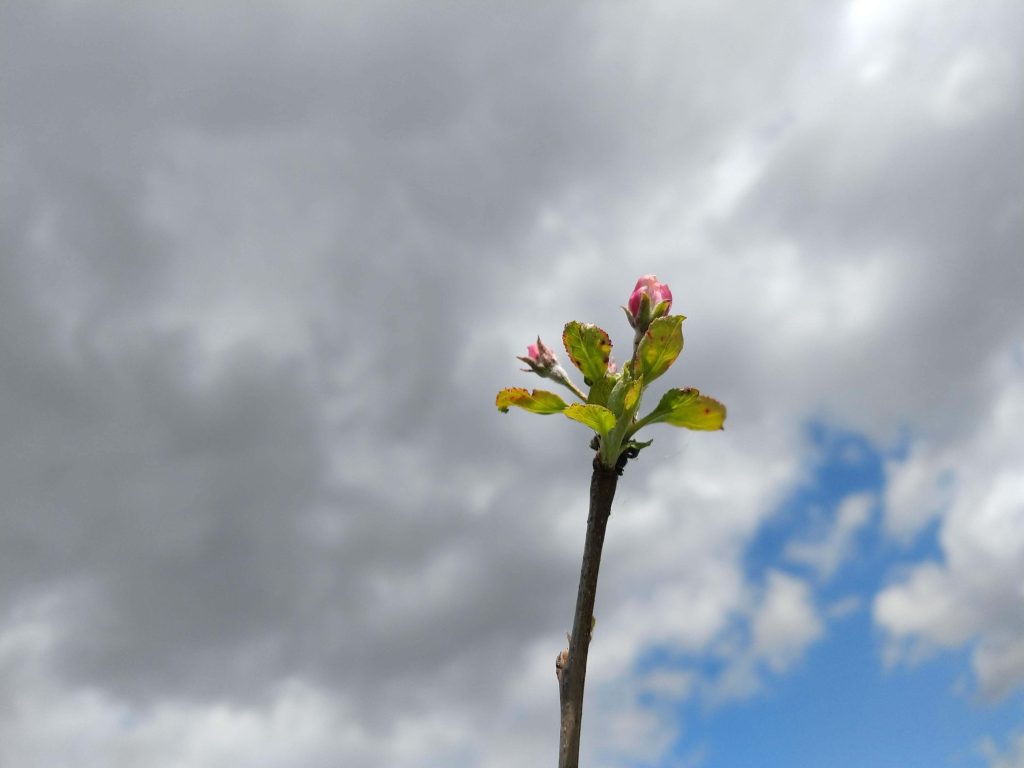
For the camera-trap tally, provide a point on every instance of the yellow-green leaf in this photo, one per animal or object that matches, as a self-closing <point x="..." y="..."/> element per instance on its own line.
<point x="538" y="401"/>
<point x="688" y="408"/>
<point x="660" y="346"/>
<point x="597" y="417"/>
<point x="602" y="388"/>
<point x="625" y="395"/>
<point x="589" y="348"/>
<point x="632" y="396"/>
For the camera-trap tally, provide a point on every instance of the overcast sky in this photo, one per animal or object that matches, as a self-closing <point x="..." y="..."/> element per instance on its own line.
<point x="263" y="267"/>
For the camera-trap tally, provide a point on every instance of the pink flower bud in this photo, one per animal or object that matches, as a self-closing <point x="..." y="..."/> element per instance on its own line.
<point x="540" y="358"/>
<point x="655" y="292"/>
<point x="542" y="361"/>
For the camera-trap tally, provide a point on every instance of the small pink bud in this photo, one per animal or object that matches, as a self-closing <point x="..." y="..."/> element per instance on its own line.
<point x="540" y="358"/>
<point x="542" y="361"/>
<point x="655" y="292"/>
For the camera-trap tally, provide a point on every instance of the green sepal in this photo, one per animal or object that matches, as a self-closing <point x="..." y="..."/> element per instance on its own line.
<point x="660" y="346"/>
<point x="688" y="408"/>
<point x="597" y="417"/>
<point x="538" y="401"/>
<point x="588" y="348"/>
<point x="661" y="308"/>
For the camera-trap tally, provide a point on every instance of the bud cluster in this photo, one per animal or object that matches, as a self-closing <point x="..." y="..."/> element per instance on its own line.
<point x="611" y="408"/>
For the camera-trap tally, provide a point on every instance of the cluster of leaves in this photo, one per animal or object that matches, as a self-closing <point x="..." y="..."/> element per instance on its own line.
<point x="614" y="398"/>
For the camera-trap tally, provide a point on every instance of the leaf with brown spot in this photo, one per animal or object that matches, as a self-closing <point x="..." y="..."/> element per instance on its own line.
<point x="688" y="408"/>
<point x="538" y="401"/>
<point x="588" y="348"/>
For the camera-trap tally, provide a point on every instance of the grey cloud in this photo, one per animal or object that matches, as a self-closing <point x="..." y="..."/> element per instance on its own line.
<point x="174" y="504"/>
<point x="885" y="175"/>
<point x="352" y="196"/>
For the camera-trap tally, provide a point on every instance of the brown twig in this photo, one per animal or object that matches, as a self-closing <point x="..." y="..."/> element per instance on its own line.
<point x="571" y="667"/>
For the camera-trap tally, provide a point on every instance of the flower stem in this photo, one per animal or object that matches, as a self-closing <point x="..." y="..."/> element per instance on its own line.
<point x="638" y="336"/>
<point x="562" y="378"/>
<point x="573" y="672"/>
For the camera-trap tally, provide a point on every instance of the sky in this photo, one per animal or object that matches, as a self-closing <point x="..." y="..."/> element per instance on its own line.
<point x="264" y="266"/>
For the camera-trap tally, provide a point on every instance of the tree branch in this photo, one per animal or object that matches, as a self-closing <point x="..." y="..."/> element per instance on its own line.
<point x="572" y="668"/>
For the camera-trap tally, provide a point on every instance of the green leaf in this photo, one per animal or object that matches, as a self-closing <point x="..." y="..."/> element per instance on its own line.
<point x="602" y="388"/>
<point x="588" y="347"/>
<point x="625" y="395"/>
<point x="597" y="417"/>
<point x="660" y="346"/>
<point x="539" y="401"/>
<point x="688" y="408"/>
<point x="632" y="396"/>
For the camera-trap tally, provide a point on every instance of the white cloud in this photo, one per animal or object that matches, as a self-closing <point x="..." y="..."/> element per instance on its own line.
<point x="917" y="490"/>
<point x="785" y="621"/>
<point x="672" y="570"/>
<point x="672" y="579"/>
<point x="829" y="550"/>
<point x="972" y="86"/>
<point x="974" y="594"/>
<point x="777" y="625"/>
<point x="622" y="733"/>
<point x="1011" y="757"/>
<point x="770" y="631"/>
<point x="49" y="722"/>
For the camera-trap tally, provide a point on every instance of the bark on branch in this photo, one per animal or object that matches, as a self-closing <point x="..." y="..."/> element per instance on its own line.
<point x="572" y="668"/>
